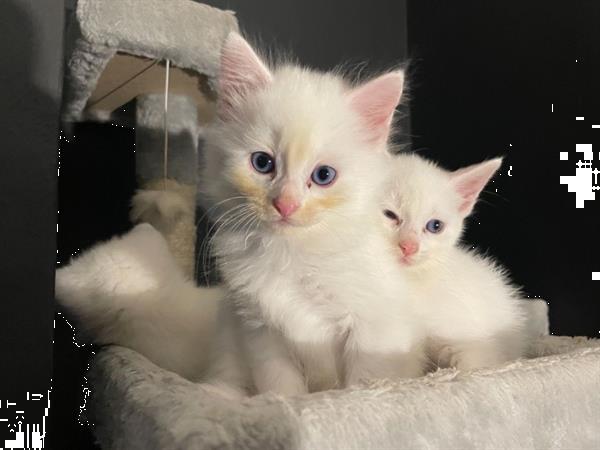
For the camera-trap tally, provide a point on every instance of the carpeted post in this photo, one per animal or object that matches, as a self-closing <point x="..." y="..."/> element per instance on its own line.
<point x="168" y="203"/>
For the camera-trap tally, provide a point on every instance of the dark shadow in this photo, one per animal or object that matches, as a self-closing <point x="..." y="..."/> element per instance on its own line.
<point x="30" y="92"/>
<point x="96" y="183"/>
<point x="502" y="79"/>
<point x="93" y="206"/>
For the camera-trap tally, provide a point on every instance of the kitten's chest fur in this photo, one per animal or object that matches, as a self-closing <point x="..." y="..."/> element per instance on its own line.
<point x="302" y="295"/>
<point x="281" y="282"/>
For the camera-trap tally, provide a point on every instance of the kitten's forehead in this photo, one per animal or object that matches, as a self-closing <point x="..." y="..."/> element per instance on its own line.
<point x="308" y="117"/>
<point x="419" y="187"/>
<point x="302" y="84"/>
<point x="303" y="105"/>
<point x="297" y="139"/>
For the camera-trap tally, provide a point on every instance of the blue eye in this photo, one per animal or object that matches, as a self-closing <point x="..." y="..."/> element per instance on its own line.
<point x="323" y="175"/>
<point x="434" y="226"/>
<point x="262" y="162"/>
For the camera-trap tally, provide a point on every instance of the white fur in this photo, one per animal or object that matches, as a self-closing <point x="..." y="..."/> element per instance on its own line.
<point x="129" y="291"/>
<point x="315" y="302"/>
<point x="468" y="307"/>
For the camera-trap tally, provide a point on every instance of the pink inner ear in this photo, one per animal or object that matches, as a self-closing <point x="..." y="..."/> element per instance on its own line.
<point x="469" y="193"/>
<point x="376" y="102"/>
<point x="470" y="181"/>
<point x="241" y="72"/>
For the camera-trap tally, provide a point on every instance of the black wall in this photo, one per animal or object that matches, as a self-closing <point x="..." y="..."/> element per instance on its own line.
<point x="485" y="77"/>
<point x="30" y="89"/>
<point x="96" y="183"/>
<point x="324" y="33"/>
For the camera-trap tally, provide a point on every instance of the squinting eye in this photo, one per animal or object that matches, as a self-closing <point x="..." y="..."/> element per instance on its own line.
<point x="262" y="162"/>
<point x="323" y="175"/>
<point x="391" y="215"/>
<point x="434" y="226"/>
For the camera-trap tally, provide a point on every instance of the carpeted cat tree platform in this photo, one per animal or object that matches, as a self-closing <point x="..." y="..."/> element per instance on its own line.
<point x="550" y="402"/>
<point x="111" y="41"/>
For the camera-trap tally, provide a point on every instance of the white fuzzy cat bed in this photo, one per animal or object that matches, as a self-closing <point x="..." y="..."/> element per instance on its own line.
<point x="551" y="401"/>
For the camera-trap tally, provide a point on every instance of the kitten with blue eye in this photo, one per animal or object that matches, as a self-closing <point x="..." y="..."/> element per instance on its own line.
<point x="293" y="166"/>
<point x="469" y="309"/>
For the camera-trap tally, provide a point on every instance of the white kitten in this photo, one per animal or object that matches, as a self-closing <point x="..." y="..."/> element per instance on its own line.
<point x="470" y="310"/>
<point x="293" y="165"/>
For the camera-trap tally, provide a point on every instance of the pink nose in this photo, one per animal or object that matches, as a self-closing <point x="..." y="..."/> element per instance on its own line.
<point x="409" y="247"/>
<point x="285" y="206"/>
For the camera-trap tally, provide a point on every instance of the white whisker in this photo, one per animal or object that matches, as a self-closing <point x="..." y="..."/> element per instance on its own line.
<point x="204" y="251"/>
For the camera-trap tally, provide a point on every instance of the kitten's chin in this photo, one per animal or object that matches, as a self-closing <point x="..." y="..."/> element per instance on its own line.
<point x="421" y="263"/>
<point x="288" y="226"/>
<point x="409" y="262"/>
<point x="405" y="261"/>
<point x="285" y="225"/>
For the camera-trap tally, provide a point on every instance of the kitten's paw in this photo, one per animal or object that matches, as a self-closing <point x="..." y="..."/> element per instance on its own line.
<point x="476" y="358"/>
<point x="286" y="386"/>
<point x="443" y="358"/>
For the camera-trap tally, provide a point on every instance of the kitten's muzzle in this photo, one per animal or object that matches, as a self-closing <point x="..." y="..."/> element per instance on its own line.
<point x="409" y="247"/>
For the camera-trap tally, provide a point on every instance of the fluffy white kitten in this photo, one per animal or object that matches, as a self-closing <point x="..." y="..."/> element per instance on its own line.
<point x="467" y="304"/>
<point x="293" y="165"/>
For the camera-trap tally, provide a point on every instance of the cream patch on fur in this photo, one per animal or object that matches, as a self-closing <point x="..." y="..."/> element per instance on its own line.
<point x="297" y="145"/>
<point x="315" y="205"/>
<point x="255" y="193"/>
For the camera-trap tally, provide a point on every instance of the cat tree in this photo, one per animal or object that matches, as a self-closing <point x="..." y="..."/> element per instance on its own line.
<point x="117" y="54"/>
<point x="148" y="50"/>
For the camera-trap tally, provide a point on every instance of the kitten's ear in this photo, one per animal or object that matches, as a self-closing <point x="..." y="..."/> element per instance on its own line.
<point x="376" y="102"/>
<point x="241" y="72"/>
<point x="470" y="181"/>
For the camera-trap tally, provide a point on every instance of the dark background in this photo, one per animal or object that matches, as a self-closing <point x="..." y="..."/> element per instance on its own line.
<point x="483" y="76"/>
<point x="30" y="91"/>
<point x="486" y="75"/>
